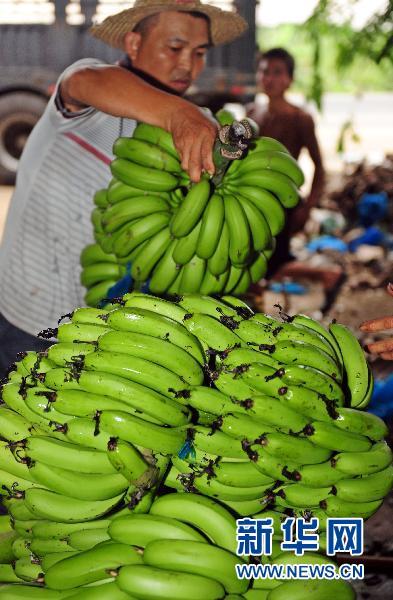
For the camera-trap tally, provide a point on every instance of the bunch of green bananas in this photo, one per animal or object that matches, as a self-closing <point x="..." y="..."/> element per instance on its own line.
<point x="184" y="548"/>
<point x="212" y="237"/>
<point x="240" y="410"/>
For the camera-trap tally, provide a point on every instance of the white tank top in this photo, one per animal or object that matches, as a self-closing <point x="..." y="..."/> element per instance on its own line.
<point x="65" y="161"/>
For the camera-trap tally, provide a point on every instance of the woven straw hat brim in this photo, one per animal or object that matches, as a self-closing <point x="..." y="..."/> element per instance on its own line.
<point x="225" y="26"/>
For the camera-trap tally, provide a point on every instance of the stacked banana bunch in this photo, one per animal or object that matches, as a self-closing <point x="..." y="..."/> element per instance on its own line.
<point x="185" y="548"/>
<point x="285" y="395"/>
<point x="212" y="237"/>
<point x="244" y="412"/>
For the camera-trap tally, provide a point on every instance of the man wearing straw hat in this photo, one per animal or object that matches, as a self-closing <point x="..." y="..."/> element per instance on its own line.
<point x="66" y="159"/>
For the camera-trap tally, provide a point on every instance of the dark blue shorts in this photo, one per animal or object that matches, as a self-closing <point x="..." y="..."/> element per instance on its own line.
<point x="14" y="340"/>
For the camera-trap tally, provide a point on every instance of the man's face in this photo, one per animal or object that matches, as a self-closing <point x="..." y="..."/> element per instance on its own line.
<point x="273" y="77"/>
<point x="173" y="50"/>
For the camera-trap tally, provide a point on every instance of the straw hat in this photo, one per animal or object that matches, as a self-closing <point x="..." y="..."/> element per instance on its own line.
<point x="225" y="26"/>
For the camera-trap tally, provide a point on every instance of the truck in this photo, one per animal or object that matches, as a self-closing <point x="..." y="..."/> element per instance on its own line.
<point x="40" y="38"/>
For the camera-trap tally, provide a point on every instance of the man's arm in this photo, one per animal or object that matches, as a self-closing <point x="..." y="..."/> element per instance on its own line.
<point x="383" y="347"/>
<point x="302" y="212"/>
<point x="115" y="91"/>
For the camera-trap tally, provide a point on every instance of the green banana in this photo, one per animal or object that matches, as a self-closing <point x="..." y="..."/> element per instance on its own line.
<point x="185" y="247"/>
<point x="137" y="370"/>
<point x="165" y="271"/>
<point x="193" y="303"/>
<point x="259" y="226"/>
<point x="239" y="231"/>
<point x="198" y="558"/>
<point x="326" y="435"/>
<point x="128" y="461"/>
<point x="214" y="284"/>
<point x="336" y="507"/>
<point x="243" y="427"/>
<point x="267" y="203"/>
<point x="87" y="538"/>
<point x="102" y="591"/>
<point x="8" y="575"/>
<point x="367" y="488"/>
<point x="192" y="275"/>
<point x="155" y="135"/>
<point x="241" y="474"/>
<point x="235" y="275"/>
<point x="217" y="443"/>
<point x="90" y="566"/>
<point x="167" y="440"/>
<point x="167" y="355"/>
<point x="213" y="333"/>
<point x="293" y="448"/>
<point x="377" y="458"/>
<point x="266" y="143"/>
<point x="80" y="332"/>
<point x="57" y="507"/>
<point x="42" y="547"/>
<point x="320" y="475"/>
<point x="51" y="530"/>
<point x="104" y="271"/>
<point x="202" y="513"/>
<point x="219" y="261"/>
<point x="277" y="183"/>
<point x="188" y="478"/>
<point x="100" y="198"/>
<point x="63" y="353"/>
<point x="211" y="227"/>
<point x="243" y="284"/>
<point x="273" y="412"/>
<point x="355" y="363"/>
<point x="258" y="268"/>
<point x="134" y="234"/>
<point x="84" y="486"/>
<point x="13" y="426"/>
<point x="118" y="191"/>
<point x="137" y="396"/>
<point x="96" y="294"/>
<point x="364" y="423"/>
<point x="320" y="589"/>
<point x="57" y="453"/>
<point x="298" y="494"/>
<point x="83" y="431"/>
<point x="274" y="160"/>
<point x="144" y="321"/>
<point x="314" y="379"/>
<point x="145" y="261"/>
<point x="191" y="209"/>
<point x="168" y="585"/>
<point x="92" y="253"/>
<point x="83" y="404"/>
<point x="28" y="570"/>
<point x="140" y="530"/>
<point x="298" y="352"/>
<point x="130" y="209"/>
<point x="306" y="321"/>
<point x="18" y="592"/>
<point x="142" y="177"/>
<point x="145" y="154"/>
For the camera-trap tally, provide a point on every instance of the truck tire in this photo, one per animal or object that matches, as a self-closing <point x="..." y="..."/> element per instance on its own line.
<point x="19" y="112"/>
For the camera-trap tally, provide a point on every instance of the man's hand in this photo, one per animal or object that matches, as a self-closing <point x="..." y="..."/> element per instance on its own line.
<point x="383" y="347"/>
<point x="194" y="135"/>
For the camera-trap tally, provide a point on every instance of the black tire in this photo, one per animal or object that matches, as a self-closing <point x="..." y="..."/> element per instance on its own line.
<point x="19" y="112"/>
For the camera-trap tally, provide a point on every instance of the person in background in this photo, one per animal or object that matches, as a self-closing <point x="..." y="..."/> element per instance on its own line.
<point x="67" y="156"/>
<point x="382" y="348"/>
<point x="294" y="128"/>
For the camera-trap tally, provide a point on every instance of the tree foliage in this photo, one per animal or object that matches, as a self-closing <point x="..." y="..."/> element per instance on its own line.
<point x="374" y="42"/>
